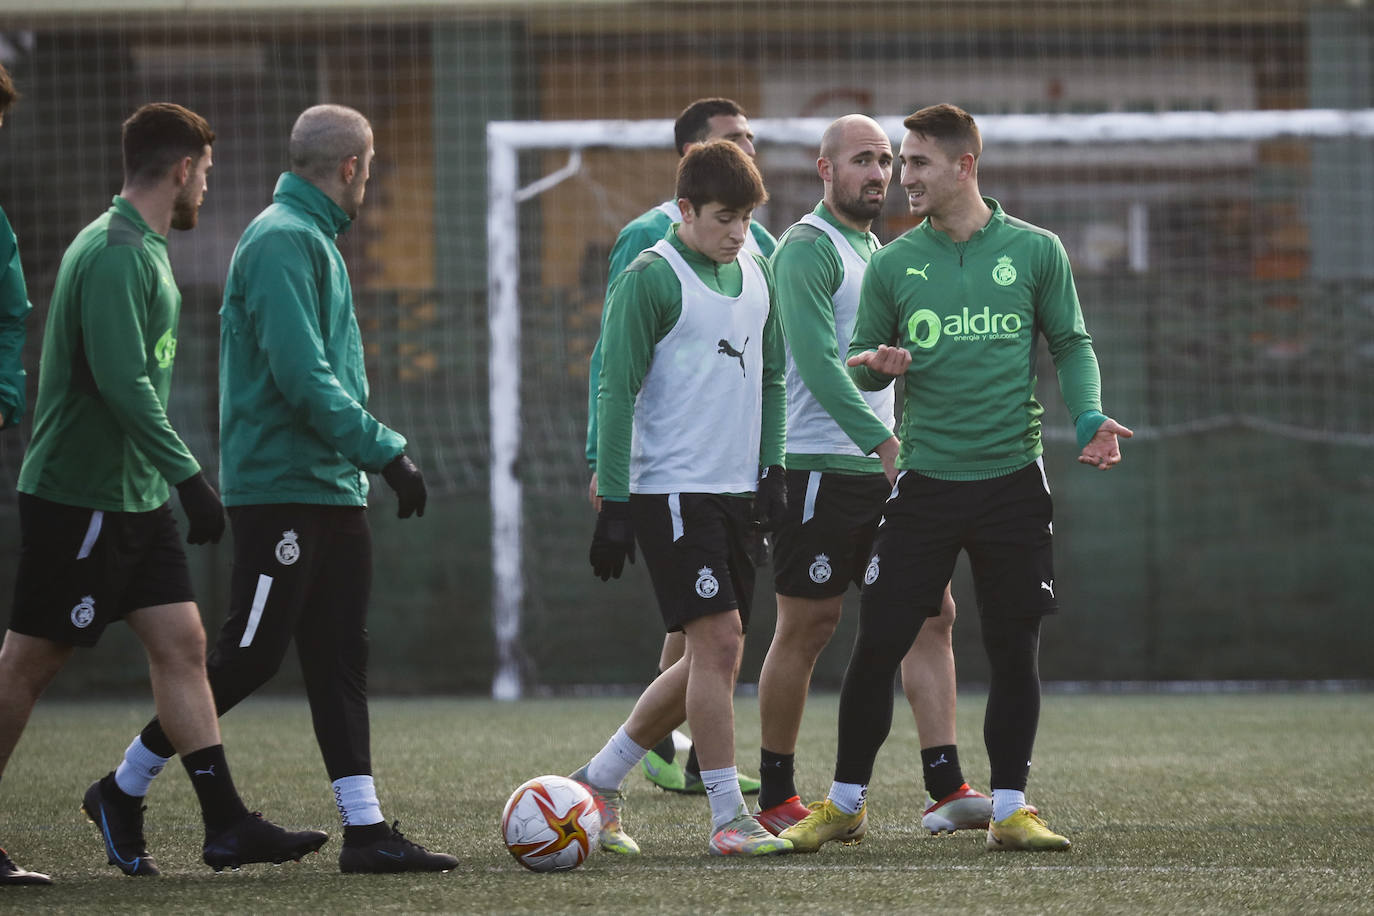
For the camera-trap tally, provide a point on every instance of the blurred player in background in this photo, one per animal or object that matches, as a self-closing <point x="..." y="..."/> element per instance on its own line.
<point x="14" y="312"/>
<point x="702" y="121"/>
<point x="691" y="426"/>
<point x="841" y="457"/>
<point x="295" y="441"/>
<point x="956" y="306"/>
<point x="100" y="543"/>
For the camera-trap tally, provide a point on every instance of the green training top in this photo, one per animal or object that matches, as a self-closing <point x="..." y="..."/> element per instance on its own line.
<point x="14" y="312"/>
<point x="639" y="234"/>
<point x="970" y="313"/>
<point x="294" y="425"/>
<point x="808" y="271"/>
<point x="101" y="439"/>
<point x="642" y="307"/>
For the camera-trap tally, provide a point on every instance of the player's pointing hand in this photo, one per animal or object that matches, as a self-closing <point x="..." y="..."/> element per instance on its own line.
<point x="885" y="360"/>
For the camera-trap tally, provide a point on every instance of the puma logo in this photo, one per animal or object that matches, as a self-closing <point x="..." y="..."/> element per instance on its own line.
<point x="1048" y="586"/>
<point x="209" y="772"/>
<point x="936" y="763"/>
<point x="726" y="349"/>
<point x="913" y="272"/>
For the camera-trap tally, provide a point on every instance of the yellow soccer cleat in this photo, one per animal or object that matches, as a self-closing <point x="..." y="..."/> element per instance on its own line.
<point x="608" y="802"/>
<point x="1024" y="830"/>
<point x="824" y="824"/>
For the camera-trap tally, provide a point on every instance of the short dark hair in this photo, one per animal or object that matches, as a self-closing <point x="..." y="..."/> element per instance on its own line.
<point x="948" y="125"/>
<point x="694" y="124"/>
<point x="159" y="135"/>
<point x="719" y="172"/>
<point x="8" y="94"/>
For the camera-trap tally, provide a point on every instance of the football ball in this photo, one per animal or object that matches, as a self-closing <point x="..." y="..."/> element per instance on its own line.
<point x="550" y="824"/>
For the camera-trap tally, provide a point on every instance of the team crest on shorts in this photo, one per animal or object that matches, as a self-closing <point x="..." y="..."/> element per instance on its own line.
<point x="707" y="584"/>
<point x="288" y="548"/>
<point x="871" y="574"/>
<point x="820" y="570"/>
<point x="83" y="615"/>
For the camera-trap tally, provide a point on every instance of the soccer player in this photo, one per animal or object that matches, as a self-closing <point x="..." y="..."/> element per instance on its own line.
<point x="295" y="440"/>
<point x="14" y="312"/>
<point x="841" y="456"/>
<point x="691" y="407"/>
<point x="702" y="121"/>
<point x="955" y="307"/>
<point x="99" y="543"/>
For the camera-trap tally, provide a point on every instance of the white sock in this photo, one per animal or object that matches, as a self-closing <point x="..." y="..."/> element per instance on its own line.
<point x="139" y="767"/>
<point x="614" y="762"/>
<point x="849" y="797"/>
<point x="356" y="798"/>
<point x="1005" y="803"/>
<point x="727" y="801"/>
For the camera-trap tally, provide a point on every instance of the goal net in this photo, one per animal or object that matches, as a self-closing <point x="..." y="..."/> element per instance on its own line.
<point x="1224" y="274"/>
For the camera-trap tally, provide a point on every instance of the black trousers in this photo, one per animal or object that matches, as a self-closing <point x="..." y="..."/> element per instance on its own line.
<point x="302" y="573"/>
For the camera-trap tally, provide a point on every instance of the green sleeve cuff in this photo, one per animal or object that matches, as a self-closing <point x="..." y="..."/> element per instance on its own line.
<point x="1086" y="426"/>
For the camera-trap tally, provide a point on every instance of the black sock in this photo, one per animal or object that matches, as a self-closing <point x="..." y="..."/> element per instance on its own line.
<point x="940" y="766"/>
<point x="692" y="766"/>
<point x="776" y="778"/>
<point x="220" y="804"/>
<point x="666" y="749"/>
<point x="366" y="834"/>
<point x="155" y="739"/>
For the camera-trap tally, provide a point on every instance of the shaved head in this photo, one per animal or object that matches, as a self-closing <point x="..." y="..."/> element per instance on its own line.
<point x="843" y="132"/>
<point x="324" y="136"/>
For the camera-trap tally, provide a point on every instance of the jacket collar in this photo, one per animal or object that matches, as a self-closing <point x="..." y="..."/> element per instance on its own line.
<point x="296" y="192"/>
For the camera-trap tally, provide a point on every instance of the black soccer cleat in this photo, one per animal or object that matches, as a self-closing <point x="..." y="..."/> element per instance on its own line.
<point x="13" y="874"/>
<point x="393" y="853"/>
<point x="119" y="818"/>
<point x="253" y="838"/>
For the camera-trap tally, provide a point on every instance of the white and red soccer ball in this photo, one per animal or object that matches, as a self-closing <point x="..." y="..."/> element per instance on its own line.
<point x="550" y="824"/>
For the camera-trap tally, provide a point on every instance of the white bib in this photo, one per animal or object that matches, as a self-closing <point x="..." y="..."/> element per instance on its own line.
<point x="699" y="412"/>
<point x="810" y="428"/>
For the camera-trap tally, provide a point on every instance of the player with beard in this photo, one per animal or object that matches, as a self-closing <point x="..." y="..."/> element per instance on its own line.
<point x="296" y="439"/>
<point x="841" y="456"/>
<point x="99" y="541"/>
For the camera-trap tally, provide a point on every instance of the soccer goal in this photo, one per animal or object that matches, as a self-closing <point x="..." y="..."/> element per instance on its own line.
<point x="1222" y="258"/>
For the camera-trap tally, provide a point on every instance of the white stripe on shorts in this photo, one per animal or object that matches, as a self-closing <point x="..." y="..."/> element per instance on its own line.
<point x="1040" y="463"/>
<point x="813" y="485"/>
<point x="255" y="612"/>
<point x="675" y="510"/>
<point x="92" y="534"/>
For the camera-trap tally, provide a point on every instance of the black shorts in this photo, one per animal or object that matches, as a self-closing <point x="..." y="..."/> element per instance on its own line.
<point x="695" y="548"/>
<point x="82" y="569"/>
<point x="1005" y="524"/>
<point x="827" y="534"/>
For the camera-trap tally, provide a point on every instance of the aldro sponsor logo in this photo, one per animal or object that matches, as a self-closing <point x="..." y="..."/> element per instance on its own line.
<point x="925" y="328"/>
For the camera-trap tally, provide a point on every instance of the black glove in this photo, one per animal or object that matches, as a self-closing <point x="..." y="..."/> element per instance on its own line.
<point x="770" y="501"/>
<point x="614" y="540"/>
<point x="204" y="511"/>
<point x="405" y="478"/>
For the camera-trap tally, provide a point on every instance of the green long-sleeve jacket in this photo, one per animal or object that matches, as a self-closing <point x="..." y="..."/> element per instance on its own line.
<point x="101" y="438"/>
<point x="14" y="312"/>
<point x="970" y="314"/>
<point x="294" y="425"/>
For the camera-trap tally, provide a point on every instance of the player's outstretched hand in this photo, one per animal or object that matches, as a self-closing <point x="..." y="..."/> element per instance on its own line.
<point x="204" y="511"/>
<point x="1103" y="451"/>
<point x="885" y="360"/>
<point x="405" y="478"/>
<point x="614" y="540"/>
<point x="770" y="501"/>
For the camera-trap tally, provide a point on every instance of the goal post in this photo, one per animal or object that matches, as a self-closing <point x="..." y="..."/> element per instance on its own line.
<point x="506" y="140"/>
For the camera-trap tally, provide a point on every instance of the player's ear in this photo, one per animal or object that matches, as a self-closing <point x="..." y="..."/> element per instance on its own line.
<point x="348" y="168"/>
<point x="825" y="169"/>
<point x="684" y="207"/>
<point x="181" y="172"/>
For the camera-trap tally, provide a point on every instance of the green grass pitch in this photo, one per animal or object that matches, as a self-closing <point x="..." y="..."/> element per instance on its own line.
<point x="1225" y="803"/>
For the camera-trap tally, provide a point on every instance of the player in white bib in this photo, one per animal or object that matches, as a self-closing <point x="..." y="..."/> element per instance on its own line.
<point x="691" y="428"/>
